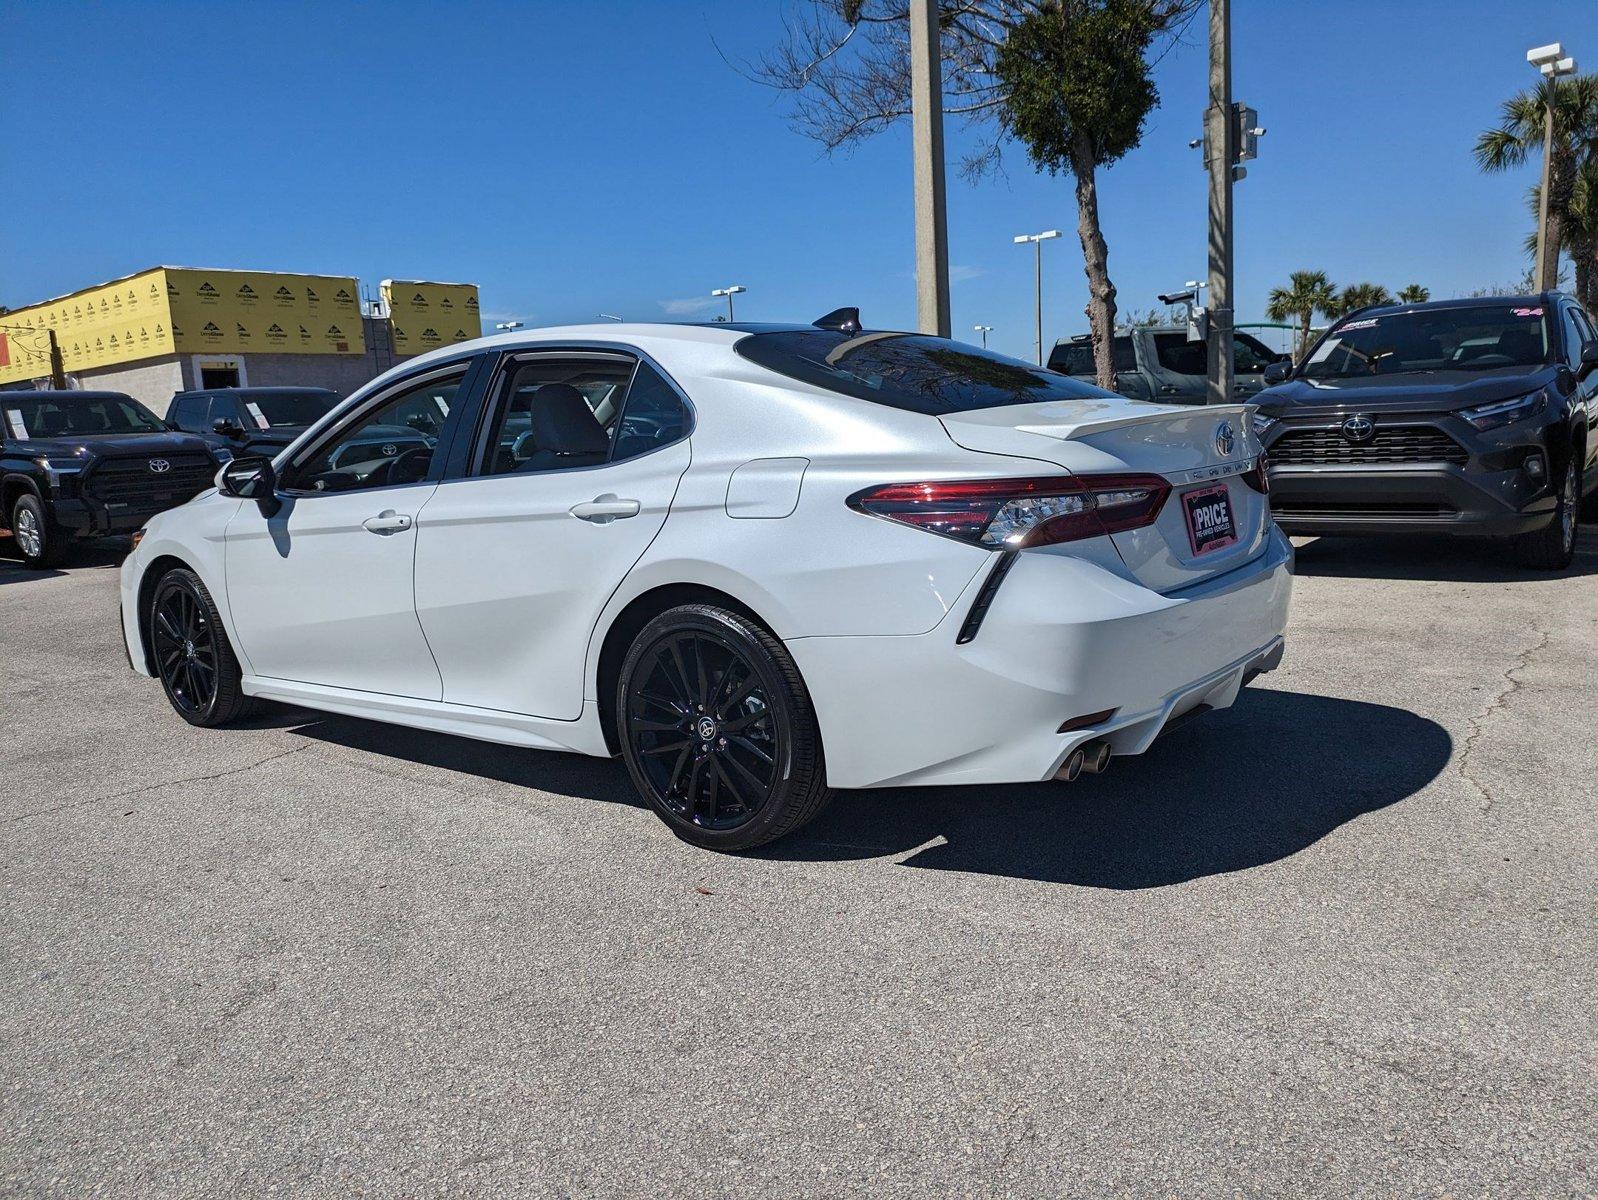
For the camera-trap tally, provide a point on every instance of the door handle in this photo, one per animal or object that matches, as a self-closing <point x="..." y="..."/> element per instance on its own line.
<point x="386" y="522"/>
<point x="601" y="510"/>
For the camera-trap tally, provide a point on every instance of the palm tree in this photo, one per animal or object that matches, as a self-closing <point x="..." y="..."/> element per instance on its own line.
<point x="1360" y="295"/>
<point x="1414" y="294"/>
<point x="1520" y="132"/>
<point x="1578" y="234"/>
<point x="1306" y="293"/>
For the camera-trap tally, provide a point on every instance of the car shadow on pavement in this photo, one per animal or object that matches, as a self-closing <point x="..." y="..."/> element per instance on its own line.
<point x="1437" y="559"/>
<point x="543" y="770"/>
<point x="1237" y="789"/>
<point x="97" y="554"/>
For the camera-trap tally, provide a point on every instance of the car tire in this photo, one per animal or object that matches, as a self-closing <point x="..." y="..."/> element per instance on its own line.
<point x="39" y="540"/>
<point x="191" y="653"/>
<point x="718" y="730"/>
<point x="1552" y="547"/>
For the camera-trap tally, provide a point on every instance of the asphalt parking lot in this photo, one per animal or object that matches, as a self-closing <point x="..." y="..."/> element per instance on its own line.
<point x="1340" y="939"/>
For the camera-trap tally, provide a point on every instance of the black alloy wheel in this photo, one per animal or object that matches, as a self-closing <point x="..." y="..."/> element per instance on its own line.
<point x="718" y="730"/>
<point x="191" y="655"/>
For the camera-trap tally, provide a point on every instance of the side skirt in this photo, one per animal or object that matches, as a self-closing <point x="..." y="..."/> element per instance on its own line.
<point x="582" y="736"/>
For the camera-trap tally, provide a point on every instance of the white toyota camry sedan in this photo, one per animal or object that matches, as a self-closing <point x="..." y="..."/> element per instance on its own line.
<point x="758" y="562"/>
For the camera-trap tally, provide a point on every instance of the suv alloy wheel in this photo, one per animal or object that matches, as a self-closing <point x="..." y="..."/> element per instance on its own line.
<point x="38" y="540"/>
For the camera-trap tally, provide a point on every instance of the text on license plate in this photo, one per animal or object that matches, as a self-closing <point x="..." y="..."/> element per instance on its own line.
<point x="1209" y="518"/>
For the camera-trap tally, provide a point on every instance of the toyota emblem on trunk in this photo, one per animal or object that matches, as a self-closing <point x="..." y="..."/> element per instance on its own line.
<point x="1359" y="429"/>
<point x="160" y="466"/>
<point x="1223" y="439"/>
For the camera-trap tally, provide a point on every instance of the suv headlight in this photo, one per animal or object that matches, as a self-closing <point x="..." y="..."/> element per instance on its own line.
<point x="59" y="467"/>
<point x="1261" y="423"/>
<point x="222" y="454"/>
<point x="1503" y="412"/>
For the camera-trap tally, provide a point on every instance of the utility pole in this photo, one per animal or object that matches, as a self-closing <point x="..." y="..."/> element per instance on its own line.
<point x="926" y="122"/>
<point x="729" y="292"/>
<point x="1037" y="240"/>
<point x="984" y="330"/>
<point x="1551" y="61"/>
<point x="58" y="374"/>
<point x="1220" y="145"/>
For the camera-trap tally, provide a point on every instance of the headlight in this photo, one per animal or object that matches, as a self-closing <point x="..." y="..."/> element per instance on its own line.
<point x="1503" y="412"/>
<point x="222" y="454"/>
<point x="59" y="465"/>
<point x="1261" y="423"/>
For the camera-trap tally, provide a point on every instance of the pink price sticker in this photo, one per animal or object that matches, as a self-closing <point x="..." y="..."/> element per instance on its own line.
<point x="1528" y="312"/>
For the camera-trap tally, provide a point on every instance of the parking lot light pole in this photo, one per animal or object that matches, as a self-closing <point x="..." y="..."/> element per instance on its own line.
<point x="1551" y="61"/>
<point x="1037" y="240"/>
<point x="729" y="292"/>
<point x="507" y="326"/>
<point x="984" y="330"/>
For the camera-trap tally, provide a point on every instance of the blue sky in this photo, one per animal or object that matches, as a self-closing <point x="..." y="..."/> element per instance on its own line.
<point x="577" y="158"/>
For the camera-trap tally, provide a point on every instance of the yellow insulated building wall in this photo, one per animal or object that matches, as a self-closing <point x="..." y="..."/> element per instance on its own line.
<point x="179" y="310"/>
<point x="424" y="316"/>
<point x="245" y="312"/>
<point x="97" y="327"/>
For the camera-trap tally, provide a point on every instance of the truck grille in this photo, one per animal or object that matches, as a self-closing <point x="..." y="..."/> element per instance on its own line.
<point x="1391" y="444"/>
<point x="130" y="483"/>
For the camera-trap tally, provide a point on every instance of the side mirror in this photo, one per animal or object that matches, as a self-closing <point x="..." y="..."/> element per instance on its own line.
<point x="1279" y="371"/>
<point x="227" y="427"/>
<point x="251" y="478"/>
<point x="1589" y="358"/>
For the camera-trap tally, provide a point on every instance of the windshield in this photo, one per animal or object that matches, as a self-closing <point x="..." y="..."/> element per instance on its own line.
<point x="1449" y="339"/>
<point x="66" y="415"/>
<point x="910" y="370"/>
<point x="289" y="408"/>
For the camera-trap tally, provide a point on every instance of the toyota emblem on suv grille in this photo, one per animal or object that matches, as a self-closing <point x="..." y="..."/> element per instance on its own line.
<point x="1359" y="429"/>
<point x="1223" y="439"/>
<point x="160" y="466"/>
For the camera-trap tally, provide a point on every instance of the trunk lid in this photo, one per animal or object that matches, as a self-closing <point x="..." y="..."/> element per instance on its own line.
<point x="1108" y="436"/>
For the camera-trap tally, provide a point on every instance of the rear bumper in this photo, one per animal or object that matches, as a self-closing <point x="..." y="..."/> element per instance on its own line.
<point x="1064" y="637"/>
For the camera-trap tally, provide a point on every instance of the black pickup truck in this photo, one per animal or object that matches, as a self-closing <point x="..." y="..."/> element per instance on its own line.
<point x="76" y="465"/>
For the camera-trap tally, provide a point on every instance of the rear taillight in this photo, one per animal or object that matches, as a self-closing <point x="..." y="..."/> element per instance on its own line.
<point x="1258" y="476"/>
<point x="1012" y="514"/>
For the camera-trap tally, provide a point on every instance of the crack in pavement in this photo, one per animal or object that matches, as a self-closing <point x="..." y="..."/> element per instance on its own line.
<point x="164" y="783"/>
<point x="1478" y="723"/>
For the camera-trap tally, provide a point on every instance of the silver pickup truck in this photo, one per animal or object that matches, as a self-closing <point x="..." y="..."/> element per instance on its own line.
<point x="1158" y="362"/>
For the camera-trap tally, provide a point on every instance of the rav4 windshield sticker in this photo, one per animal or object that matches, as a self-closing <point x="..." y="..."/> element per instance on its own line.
<point x="260" y="418"/>
<point x="19" y="429"/>
<point x="1365" y="324"/>
<point x="443" y="408"/>
<point x="1528" y="312"/>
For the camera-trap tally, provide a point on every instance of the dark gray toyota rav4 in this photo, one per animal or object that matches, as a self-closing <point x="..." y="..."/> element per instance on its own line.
<point x="1471" y="416"/>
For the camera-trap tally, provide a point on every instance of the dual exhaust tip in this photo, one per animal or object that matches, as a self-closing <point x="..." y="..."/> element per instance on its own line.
<point x="1094" y="758"/>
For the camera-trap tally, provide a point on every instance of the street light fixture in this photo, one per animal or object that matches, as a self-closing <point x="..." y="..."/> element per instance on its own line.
<point x="611" y="317"/>
<point x="729" y="292"/>
<point x="1037" y="240"/>
<point x="507" y="326"/>
<point x="1551" y="61"/>
<point x="984" y="330"/>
